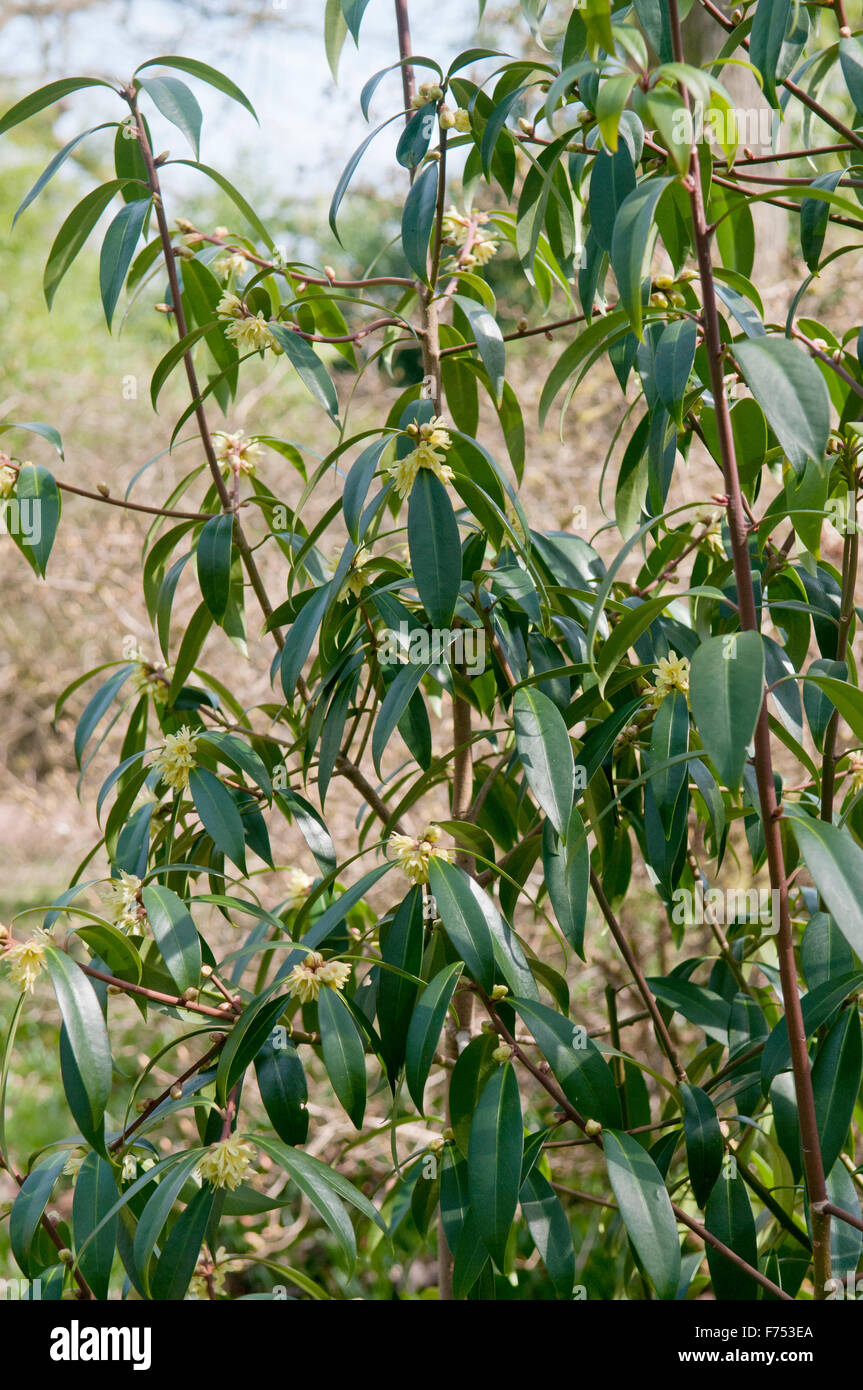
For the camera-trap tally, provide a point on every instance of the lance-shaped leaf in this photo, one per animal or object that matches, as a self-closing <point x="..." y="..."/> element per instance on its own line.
<point x="728" y="1216"/>
<point x="545" y="752"/>
<point x="29" y="1204"/>
<point x="86" y="1032"/>
<point x="344" y="1055"/>
<point x="178" y="105"/>
<point x="219" y="815"/>
<point x="726" y="687"/>
<point x="567" y="878"/>
<point x="489" y="340"/>
<point x="401" y="947"/>
<point x="33" y="516"/>
<point x="576" y="1062"/>
<point x="417" y="219"/>
<point x="549" y="1229"/>
<point x="631" y="243"/>
<point x="766" y="39"/>
<point x="494" y="1160"/>
<point x="179" y="1256"/>
<point x="118" y="248"/>
<point x="645" y="1209"/>
<point x="175" y="935"/>
<point x="214" y="563"/>
<point x="703" y="1141"/>
<point x="310" y="369"/>
<point x="675" y="355"/>
<point x="95" y="1195"/>
<point x="282" y="1084"/>
<point x="835" y="861"/>
<point x="425" y="1029"/>
<point x="463" y="919"/>
<point x="205" y="73"/>
<point x="793" y="394"/>
<point x="836" y="1076"/>
<point x="435" y="548"/>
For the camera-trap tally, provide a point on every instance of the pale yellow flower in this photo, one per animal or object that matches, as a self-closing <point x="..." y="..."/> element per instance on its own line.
<point x="671" y="673"/>
<point x="414" y="853"/>
<point x="354" y="581"/>
<point x="176" y="758"/>
<point x="209" y="1278"/>
<point x="298" y="884"/>
<point x="427" y="454"/>
<point x="146" y="797"/>
<point x="121" y="902"/>
<point x="26" y="960"/>
<point x="482" y="249"/>
<point x="461" y="120"/>
<point x="426" y="92"/>
<point x="72" y="1165"/>
<point x="150" y="680"/>
<point x="307" y="976"/>
<point x="236" y="453"/>
<point x="225" y="1164"/>
<point x="234" y="263"/>
<point x="230" y="306"/>
<point x="855" y="772"/>
<point x="129" y="1171"/>
<point x="8" y="478"/>
<point x="445" y="117"/>
<point x="251" y="332"/>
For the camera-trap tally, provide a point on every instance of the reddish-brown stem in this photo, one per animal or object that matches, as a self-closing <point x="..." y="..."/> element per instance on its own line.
<point x="739" y="537"/>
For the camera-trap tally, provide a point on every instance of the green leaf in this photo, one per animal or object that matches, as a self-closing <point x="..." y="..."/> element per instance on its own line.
<point x="726" y="687"/>
<point x="298" y="642"/>
<point x="245" y="1040"/>
<point x="46" y="96"/>
<point x="324" y="1187"/>
<point x="73" y="234"/>
<point x="568" y="879"/>
<point x="611" y="182"/>
<point x="435" y="548"/>
<point x="766" y="39"/>
<point x="463" y="919"/>
<point x="494" y="1160"/>
<point x="675" y="355"/>
<point x="824" y="952"/>
<point x="836" y="1076"/>
<point x="219" y="815"/>
<point x="703" y="1141"/>
<point x="56" y="163"/>
<point x="417" y="220"/>
<point x="310" y="368"/>
<point x="335" y="33"/>
<point x="212" y="76"/>
<point x="214" y="563"/>
<point x="576" y="1062"/>
<point x="175" y="935"/>
<point x="38" y="515"/>
<point x="549" y="1229"/>
<point x="178" y="105"/>
<point x="489" y="340"/>
<point x="545" y="752"/>
<point x="414" y="139"/>
<point x="631" y="243"/>
<point x="703" y="1007"/>
<point x="835" y="861"/>
<point x="793" y="394"/>
<point x="282" y="1084"/>
<point x="118" y="248"/>
<point x="95" y="1194"/>
<point x="728" y="1216"/>
<point x="344" y="1055"/>
<point x="818" y="1006"/>
<point x="425" y="1029"/>
<point x="401" y="947"/>
<point x="152" y="1220"/>
<point x="645" y="1209"/>
<point x="85" y="1029"/>
<point x="29" y="1204"/>
<point x="176" y="1264"/>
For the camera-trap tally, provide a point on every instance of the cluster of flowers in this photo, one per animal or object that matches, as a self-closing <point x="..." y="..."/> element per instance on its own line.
<point x="457" y="226"/>
<point x="432" y="440"/>
<point x="249" y="331"/>
<point x="449" y="120"/>
<point x="236" y="454"/>
<point x="413" y="854"/>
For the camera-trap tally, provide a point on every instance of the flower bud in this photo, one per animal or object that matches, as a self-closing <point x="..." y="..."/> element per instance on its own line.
<point x="499" y="992"/>
<point x="65" y="1256"/>
<point x="176" y="1092"/>
<point x="592" y="1128"/>
<point x="206" y="971"/>
<point x="190" y="994"/>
